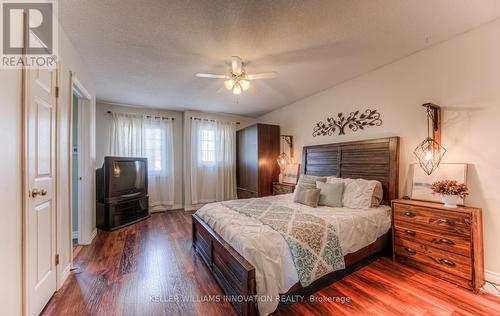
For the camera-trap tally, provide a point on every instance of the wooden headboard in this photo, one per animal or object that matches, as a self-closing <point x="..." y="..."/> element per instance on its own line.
<point x="374" y="159"/>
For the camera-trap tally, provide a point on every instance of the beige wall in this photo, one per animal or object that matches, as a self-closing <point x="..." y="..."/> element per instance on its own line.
<point x="103" y="132"/>
<point x="10" y="170"/>
<point x="10" y="192"/>
<point x="463" y="76"/>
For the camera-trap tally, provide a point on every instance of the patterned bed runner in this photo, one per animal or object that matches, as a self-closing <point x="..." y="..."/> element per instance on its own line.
<point x="313" y="242"/>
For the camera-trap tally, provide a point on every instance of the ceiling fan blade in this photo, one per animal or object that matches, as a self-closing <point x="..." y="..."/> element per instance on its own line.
<point x="262" y="75"/>
<point x="236" y="65"/>
<point x="213" y="76"/>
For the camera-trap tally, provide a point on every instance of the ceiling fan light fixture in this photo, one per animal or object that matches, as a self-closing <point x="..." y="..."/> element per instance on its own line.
<point x="237" y="89"/>
<point x="245" y="84"/>
<point x="237" y="80"/>
<point x="229" y="84"/>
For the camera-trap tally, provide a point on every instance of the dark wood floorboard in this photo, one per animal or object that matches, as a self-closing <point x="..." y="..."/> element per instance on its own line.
<point x="149" y="267"/>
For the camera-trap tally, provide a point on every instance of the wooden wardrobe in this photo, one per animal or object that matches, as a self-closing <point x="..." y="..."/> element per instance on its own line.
<point x="257" y="148"/>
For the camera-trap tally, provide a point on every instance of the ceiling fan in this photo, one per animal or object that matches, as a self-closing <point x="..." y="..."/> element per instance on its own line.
<point x="238" y="80"/>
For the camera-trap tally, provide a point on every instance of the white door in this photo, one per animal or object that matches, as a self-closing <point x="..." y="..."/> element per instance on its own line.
<point x="40" y="225"/>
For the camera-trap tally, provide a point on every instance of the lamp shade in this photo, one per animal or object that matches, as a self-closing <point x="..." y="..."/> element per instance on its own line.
<point x="229" y="84"/>
<point x="429" y="154"/>
<point x="237" y="89"/>
<point x="245" y="84"/>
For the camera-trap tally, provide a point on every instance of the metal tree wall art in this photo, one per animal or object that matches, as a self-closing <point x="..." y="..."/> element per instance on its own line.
<point x="355" y="121"/>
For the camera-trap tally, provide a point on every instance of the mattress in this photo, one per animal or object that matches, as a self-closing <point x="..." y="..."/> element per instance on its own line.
<point x="268" y="252"/>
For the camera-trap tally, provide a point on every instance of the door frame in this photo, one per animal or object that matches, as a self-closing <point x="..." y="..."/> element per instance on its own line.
<point x="85" y="230"/>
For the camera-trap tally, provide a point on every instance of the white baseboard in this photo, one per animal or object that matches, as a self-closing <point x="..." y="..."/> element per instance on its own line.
<point x="175" y="207"/>
<point x="91" y="238"/>
<point x="492" y="277"/>
<point x="64" y="275"/>
<point x="74" y="235"/>
<point x="94" y="233"/>
<point x="492" y="282"/>
<point x="191" y="208"/>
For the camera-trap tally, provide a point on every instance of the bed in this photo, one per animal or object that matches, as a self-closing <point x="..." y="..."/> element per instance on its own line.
<point x="229" y="241"/>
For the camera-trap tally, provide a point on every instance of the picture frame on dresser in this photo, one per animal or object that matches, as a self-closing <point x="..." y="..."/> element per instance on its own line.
<point x="292" y="172"/>
<point x="422" y="182"/>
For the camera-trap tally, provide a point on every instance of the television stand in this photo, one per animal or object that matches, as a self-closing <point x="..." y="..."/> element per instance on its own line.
<point x="121" y="213"/>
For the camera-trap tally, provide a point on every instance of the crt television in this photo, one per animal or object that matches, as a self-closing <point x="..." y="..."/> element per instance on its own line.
<point x="122" y="178"/>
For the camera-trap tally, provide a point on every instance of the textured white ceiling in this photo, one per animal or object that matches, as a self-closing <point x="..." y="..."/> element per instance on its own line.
<point x="147" y="52"/>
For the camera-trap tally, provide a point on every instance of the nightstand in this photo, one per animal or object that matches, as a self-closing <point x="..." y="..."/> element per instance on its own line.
<point x="283" y="188"/>
<point x="444" y="242"/>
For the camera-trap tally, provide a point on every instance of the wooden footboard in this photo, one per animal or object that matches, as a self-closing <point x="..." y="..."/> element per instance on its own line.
<point x="234" y="273"/>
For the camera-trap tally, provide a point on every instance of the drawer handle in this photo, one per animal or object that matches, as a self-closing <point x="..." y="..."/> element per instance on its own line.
<point x="446" y="241"/>
<point x="447" y="221"/>
<point x="409" y="214"/>
<point x="410" y="232"/>
<point x="448" y="262"/>
<point x="412" y="251"/>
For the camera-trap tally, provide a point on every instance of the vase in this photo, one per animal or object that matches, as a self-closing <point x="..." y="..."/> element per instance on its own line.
<point x="450" y="201"/>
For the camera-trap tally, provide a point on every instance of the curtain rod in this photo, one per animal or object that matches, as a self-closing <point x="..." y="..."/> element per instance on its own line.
<point x="150" y="116"/>
<point x="204" y="119"/>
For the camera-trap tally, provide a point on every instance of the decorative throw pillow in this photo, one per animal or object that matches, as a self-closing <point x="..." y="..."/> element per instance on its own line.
<point x="378" y="194"/>
<point x="360" y="193"/>
<point x="309" y="197"/>
<point x="309" y="182"/>
<point x="331" y="194"/>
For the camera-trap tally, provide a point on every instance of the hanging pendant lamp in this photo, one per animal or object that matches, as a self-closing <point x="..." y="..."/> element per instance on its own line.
<point x="430" y="152"/>
<point x="283" y="159"/>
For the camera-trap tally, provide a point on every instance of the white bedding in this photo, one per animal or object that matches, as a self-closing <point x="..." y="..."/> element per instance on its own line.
<point x="268" y="252"/>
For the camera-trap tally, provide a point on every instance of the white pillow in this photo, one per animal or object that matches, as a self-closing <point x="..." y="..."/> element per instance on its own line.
<point x="359" y="193"/>
<point x="331" y="177"/>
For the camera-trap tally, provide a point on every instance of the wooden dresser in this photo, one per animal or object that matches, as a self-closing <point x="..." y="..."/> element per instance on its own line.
<point x="447" y="243"/>
<point x="257" y="147"/>
<point x="283" y="188"/>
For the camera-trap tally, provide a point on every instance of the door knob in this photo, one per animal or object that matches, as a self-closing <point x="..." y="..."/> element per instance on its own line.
<point x="35" y="193"/>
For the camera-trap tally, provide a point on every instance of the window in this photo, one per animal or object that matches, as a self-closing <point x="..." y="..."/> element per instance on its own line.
<point x="153" y="145"/>
<point x="207" y="145"/>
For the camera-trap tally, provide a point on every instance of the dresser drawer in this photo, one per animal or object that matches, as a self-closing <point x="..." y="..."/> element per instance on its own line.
<point x="279" y="188"/>
<point x="460" y="245"/>
<point x="435" y="220"/>
<point x="435" y="258"/>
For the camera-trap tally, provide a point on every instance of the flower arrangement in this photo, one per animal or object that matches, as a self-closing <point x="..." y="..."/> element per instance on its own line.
<point x="450" y="187"/>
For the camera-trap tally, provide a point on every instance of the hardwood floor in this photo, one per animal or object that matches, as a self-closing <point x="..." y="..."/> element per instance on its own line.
<point x="147" y="268"/>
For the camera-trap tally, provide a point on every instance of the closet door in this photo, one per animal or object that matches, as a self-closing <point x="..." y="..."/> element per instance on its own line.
<point x="247" y="162"/>
<point x="268" y="144"/>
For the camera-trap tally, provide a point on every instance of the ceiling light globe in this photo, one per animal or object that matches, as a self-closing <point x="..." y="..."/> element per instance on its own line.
<point x="229" y="84"/>
<point x="237" y="89"/>
<point x="245" y="84"/>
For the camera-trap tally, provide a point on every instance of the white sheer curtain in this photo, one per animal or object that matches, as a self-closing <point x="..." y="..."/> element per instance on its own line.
<point x="151" y="137"/>
<point x="213" y="161"/>
<point x="126" y="135"/>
